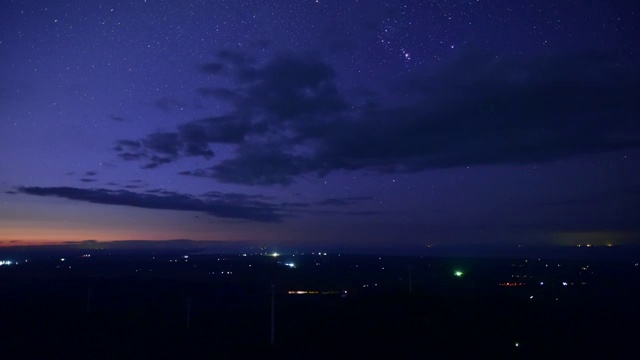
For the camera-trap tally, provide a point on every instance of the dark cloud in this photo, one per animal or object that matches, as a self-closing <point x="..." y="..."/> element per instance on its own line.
<point x="127" y="144"/>
<point x="295" y="204"/>
<point x="289" y="119"/>
<point x="334" y="201"/>
<point x="360" y="198"/>
<point x="168" y="104"/>
<point x="236" y="196"/>
<point x="233" y="207"/>
<point x="90" y="173"/>
<point x="116" y="118"/>
<point x="212" y="68"/>
<point x="220" y="93"/>
<point x="197" y="135"/>
<point x="236" y="58"/>
<point x="191" y="139"/>
<point x="259" y="165"/>
<point x="350" y="213"/>
<point x="164" y="143"/>
<point x="131" y="156"/>
<point x="87" y="180"/>
<point x="129" y="150"/>
<point x="291" y="87"/>
<point x="156" y="161"/>
<point x="133" y="186"/>
<point x="161" y="191"/>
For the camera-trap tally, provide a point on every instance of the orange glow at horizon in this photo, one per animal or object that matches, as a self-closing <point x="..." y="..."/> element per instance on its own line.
<point x="19" y="236"/>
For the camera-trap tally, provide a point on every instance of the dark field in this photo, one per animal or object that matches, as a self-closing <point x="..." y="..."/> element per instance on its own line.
<point x="135" y="305"/>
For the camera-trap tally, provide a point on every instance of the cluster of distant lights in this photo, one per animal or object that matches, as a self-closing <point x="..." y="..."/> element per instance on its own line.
<point x="185" y="258"/>
<point x="592" y="245"/>
<point x="6" y="262"/>
<point x="315" y="292"/>
<point x="276" y="254"/>
<point x="512" y="284"/>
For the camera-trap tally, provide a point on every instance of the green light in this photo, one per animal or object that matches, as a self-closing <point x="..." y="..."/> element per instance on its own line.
<point x="458" y="273"/>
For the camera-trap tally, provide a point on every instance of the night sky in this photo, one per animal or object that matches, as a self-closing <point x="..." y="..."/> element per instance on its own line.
<point x="328" y="123"/>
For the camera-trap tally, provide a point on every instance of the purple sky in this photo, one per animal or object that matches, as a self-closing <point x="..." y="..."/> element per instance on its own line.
<point x="351" y="123"/>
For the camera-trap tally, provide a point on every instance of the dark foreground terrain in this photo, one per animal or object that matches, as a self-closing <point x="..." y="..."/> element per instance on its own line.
<point x="115" y="305"/>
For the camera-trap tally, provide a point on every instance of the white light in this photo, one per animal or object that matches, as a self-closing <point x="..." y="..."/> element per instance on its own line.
<point x="517" y="344"/>
<point x="291" y="265"/>
<point x="564" y="283"/>
<point x="531" y="297"/>
<point x="275" y="254"/>
<point x="62" y="259"/>
<point x="186" y="256"/>
<point x="541" y="282"/>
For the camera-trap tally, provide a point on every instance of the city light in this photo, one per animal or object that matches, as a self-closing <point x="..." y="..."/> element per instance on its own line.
<point x="5" y="262"/>
<point x="458" y="273"/>
<point x="291" y="265"/>
<point x="275" y="254"/>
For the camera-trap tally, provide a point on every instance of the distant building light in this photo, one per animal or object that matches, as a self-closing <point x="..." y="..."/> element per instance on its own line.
<point x="275" y="254"/>
<point x="186" y="256"/>
<point x="62" y="259"/>
<point x="302" y="292"/>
